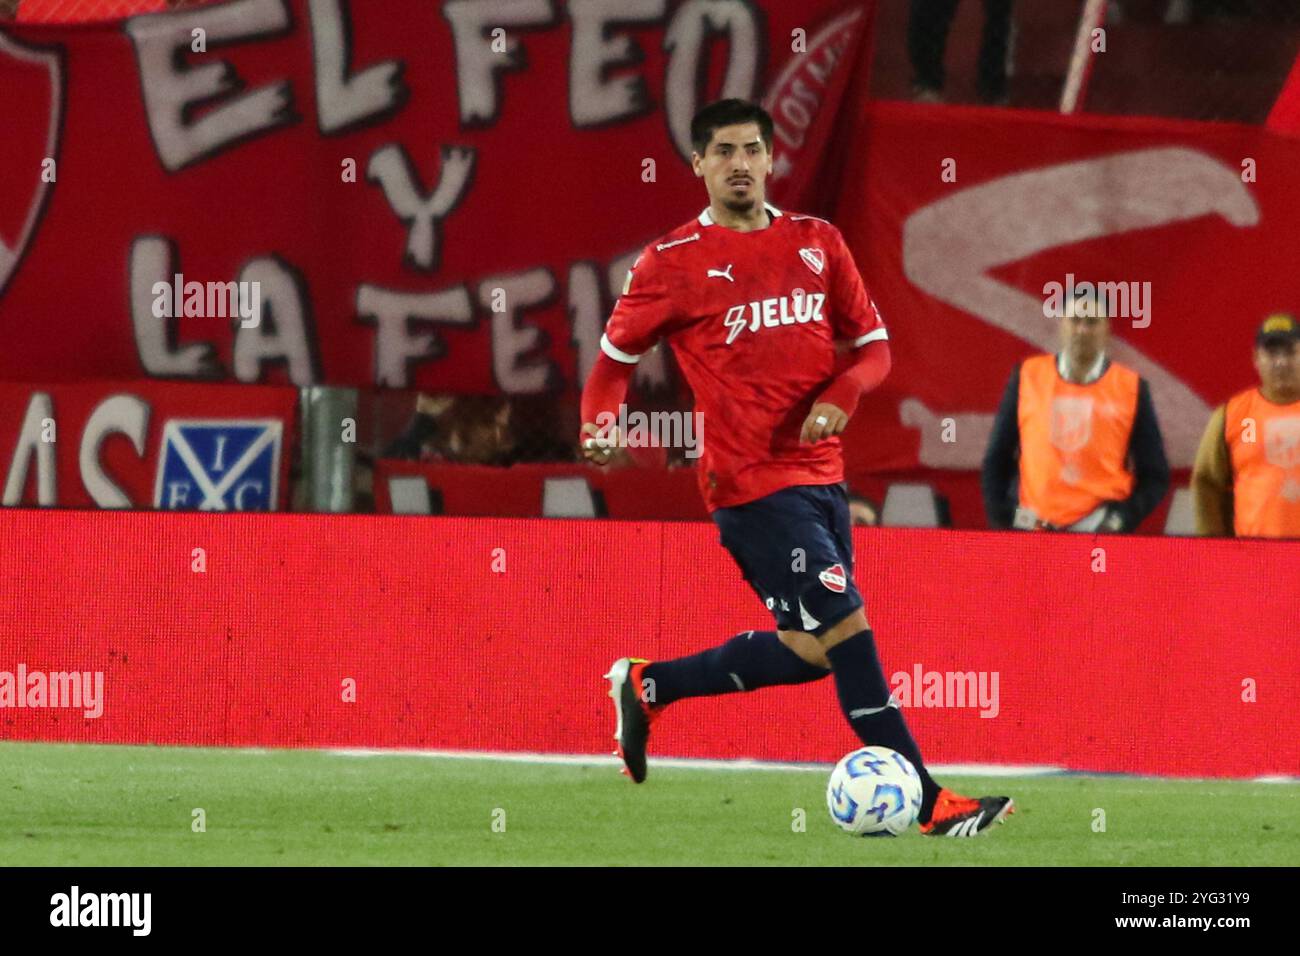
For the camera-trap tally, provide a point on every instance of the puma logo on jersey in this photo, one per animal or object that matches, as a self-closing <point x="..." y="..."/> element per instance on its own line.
<point x="724" y="274"/>
<point x="814" y="258"/>
<point x="769" y="313"/>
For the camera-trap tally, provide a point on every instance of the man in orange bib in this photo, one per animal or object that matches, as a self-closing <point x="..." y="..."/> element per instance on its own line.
<point x="1081" y="433"/>
<point x="1246" y="481"/>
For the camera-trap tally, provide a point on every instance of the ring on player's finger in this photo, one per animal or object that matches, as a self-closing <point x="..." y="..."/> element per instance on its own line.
<point x="820" y="419"/>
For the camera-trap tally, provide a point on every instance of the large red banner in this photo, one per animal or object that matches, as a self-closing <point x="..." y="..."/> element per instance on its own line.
<point x="445" y="196"/>
<point x="965" y="220"/>
<point x="1140" y="655"/>
<point x="449" y="196"/>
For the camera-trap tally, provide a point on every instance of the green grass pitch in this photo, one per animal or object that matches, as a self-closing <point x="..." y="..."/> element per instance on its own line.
<point x="126" y="806"/>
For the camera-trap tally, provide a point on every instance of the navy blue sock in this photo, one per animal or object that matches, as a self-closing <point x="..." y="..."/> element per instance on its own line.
<point x="874" y="717"/>
<point x="746" y="662"/>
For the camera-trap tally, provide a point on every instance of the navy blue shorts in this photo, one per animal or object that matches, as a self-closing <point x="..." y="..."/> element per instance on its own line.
<point x="795" y="550"/>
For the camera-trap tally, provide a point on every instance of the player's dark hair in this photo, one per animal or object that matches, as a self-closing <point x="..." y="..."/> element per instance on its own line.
<point x="728" y="113"/>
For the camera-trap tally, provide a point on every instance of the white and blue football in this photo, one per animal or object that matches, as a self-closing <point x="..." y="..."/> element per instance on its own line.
<point x="874" y="791"/>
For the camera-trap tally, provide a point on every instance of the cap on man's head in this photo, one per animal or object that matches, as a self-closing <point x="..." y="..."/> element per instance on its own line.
<point x="1278" y="328"/>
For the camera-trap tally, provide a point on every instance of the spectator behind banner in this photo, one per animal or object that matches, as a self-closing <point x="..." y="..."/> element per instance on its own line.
<point x="1247" y="475"/>
<point x="928" y="25"/>
<point x="479" y="430"/>
<point x="863" y="512"/>
<point x="1081" y="431"/>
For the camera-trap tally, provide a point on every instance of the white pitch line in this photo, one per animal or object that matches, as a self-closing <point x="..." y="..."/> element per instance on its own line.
<point x="596" y="760"/>
<point x="582" y="760"/>
<point x="994" y="770"/>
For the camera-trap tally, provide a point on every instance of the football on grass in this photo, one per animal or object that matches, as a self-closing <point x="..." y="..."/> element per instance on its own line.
<point x="874" y="791"/>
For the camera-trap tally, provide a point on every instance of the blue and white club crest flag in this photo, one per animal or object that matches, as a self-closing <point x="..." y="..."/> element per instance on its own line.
<point x="219" y="465"/>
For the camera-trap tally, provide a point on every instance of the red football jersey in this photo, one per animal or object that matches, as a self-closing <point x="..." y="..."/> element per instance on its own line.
<point x="752" y="318"/>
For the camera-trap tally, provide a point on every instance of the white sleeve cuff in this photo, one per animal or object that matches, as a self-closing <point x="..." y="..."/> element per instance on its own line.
<point x="875" y="335"/>
<point x="616" y="353"/>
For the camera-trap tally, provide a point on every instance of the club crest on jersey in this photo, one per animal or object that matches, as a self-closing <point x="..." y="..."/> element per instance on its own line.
<point x="1282" y="442"/>
<point x="1071" y="423"/>
<point x="769" y="313"/>
<point x="834" y="578"/>
<point x="814" y="258"/>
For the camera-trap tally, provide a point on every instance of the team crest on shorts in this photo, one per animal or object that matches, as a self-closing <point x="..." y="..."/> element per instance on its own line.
<point x="834" y="578"/>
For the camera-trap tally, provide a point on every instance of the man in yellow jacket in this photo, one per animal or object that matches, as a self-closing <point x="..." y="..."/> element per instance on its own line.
<point x="1246" y="481"/>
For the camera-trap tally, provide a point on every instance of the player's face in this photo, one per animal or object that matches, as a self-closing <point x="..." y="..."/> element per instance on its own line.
<point x="1278" y="365"/>
<point x="1084" y="332"/>
<point x="735" y="166"/>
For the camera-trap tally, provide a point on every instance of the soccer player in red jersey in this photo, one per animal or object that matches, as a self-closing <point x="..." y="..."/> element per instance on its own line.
<point x="753" y="302"/>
